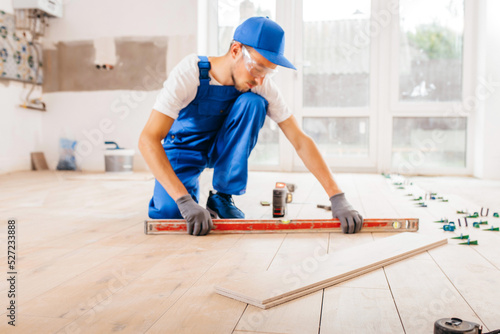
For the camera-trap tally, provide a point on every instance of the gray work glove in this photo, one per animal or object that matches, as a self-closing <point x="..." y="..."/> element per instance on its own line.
<point x="197" y="218"/>
<point x="350" y="219"/>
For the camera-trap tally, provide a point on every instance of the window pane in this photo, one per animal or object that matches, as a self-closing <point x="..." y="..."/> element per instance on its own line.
<point x="233" y="12"/>
<point x="428" y="142"/>
<point x="336" y="50"/>
<point x="339" y="136"/>
<point x="430" y="66"/>
<point x="266" y="152"/>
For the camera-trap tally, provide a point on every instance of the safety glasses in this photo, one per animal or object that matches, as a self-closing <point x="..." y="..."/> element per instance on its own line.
<point x="256" y="70"/>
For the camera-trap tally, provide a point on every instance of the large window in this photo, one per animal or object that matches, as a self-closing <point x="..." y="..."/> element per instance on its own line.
<point x="339" y="136"/>
<point x="428" y="142"/>
<point x="430" y="54"/>
<point x="335" y="72"/>
<point x="336" y="76"/>
<point x="379" y="85"/>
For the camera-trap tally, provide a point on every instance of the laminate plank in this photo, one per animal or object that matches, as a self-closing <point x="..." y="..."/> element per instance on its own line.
<point x="372" y="280"/>
<point x="301" y="254"/>
<point x="435" y="297"/>
<point x="415" y="315"/>
<point x="138" y="305"/>
<point x="359" y="310"/>
<point x="476" y="280"/>
<point x="29" y="324"/>
<point x="201" y="310"/>
<point x="48" y="275"/>
<point x="62" y="221"/>
<point x="75" y="296"/>
<point x="271" y="287"/>
<point x="470" y="273"/>
<point x="250" y="332"/>
<point x="290" y="318"/>
<point x="488" y="241"/>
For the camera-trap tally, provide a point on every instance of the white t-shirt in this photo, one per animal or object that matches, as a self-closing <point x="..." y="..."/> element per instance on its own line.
<point x="182" y="84"/>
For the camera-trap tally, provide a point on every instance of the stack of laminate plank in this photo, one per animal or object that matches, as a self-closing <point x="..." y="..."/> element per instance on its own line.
<point x="274" y="287"/>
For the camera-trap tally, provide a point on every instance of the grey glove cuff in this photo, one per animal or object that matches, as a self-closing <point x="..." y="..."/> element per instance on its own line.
<point x="181" y="201"/>
<point x="337" y="196"/>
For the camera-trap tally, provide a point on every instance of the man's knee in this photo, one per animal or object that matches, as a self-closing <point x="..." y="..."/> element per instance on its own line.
<point x="252" y="100"/>
<point x="250" y="106"/>
<point x="164" y="210"/>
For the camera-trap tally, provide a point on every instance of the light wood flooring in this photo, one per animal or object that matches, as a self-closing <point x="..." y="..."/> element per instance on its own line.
<point x="86" y="266"/>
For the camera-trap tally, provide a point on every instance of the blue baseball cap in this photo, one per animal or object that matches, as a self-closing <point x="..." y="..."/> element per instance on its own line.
<point x="266" y="37"/>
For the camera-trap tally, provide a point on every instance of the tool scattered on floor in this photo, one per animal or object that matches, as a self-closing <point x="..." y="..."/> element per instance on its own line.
<point x="493" y="229"/>
<point x="474" y="215"/>
<point x="173" y="226"/>
<point x="282" y="194"/>
<point x="496" y="215"/>
<point x="326" y="207"/>
<point x="461" y="236"/>
<point x="460" y="224"/>
<point x="442" y="220"/>
<point x="279" y="200"/>
<point x="449" y="227"/>
<point x="478" y="224"/>
<point x="459" y="326"/>
<point x="486" y="214"/>
<point x="469" y="242"/>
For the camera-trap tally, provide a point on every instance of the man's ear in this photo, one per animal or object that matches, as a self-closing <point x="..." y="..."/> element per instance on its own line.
<point x="235" y="50"/>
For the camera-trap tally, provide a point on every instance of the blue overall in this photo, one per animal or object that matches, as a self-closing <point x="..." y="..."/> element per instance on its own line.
<point x="218" y="130"/>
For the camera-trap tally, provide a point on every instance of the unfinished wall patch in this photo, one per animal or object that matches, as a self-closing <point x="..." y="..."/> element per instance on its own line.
<point x="105" y="51"/>
<point x="140" y="65"/>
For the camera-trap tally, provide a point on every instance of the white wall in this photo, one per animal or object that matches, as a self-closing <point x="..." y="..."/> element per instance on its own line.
<point x="92" y="118"/>
<point x="90" y="19"/>
<point x="487" y="129"/>
<point x="20" y="129"/>
<point x="79" y="115"/>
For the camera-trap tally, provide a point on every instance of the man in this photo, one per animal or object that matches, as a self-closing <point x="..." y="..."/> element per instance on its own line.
<point x="209" y="114"/>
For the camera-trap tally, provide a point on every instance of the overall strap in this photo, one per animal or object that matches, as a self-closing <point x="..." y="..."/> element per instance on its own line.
<point x="204" y="66"/>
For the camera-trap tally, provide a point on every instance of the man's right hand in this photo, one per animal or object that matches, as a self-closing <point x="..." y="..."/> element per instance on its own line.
<point x="350" y="220"/>
<point x="197" y="218"/>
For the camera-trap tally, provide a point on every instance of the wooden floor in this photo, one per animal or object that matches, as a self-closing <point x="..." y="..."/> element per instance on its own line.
<point x="85" y="265"/>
